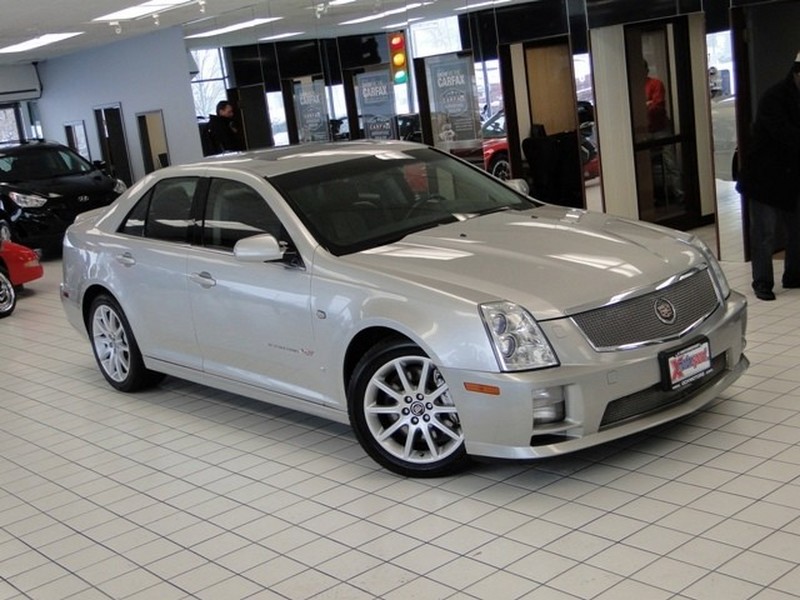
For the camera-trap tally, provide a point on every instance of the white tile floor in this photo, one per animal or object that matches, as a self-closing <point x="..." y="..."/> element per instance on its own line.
<point x="185" y="492"/>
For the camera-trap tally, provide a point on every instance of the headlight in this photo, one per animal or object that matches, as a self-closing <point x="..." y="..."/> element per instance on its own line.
<point x="713" y="264"/>
<point x="27" y="200"/>
<point x="518" y="342"/>
<point x="120" y="186"/>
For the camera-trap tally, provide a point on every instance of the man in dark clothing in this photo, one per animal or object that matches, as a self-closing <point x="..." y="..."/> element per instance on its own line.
<point x="223" y="135"/>
<point x="770" y="180"/>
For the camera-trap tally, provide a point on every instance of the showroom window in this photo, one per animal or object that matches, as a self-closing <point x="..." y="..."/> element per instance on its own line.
<point x="210" y="84"/>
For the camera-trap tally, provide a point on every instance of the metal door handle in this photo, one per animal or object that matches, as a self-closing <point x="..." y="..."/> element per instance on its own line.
<point x="204" y="279"/>
<point x="126" y="259"/>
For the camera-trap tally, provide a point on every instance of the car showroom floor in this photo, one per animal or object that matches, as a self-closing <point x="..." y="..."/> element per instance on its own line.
<point x="186" y="492"/>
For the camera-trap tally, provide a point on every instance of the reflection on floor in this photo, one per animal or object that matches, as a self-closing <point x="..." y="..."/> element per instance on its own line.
<point x="729" y="221"/>
<point x="185" y="492"/>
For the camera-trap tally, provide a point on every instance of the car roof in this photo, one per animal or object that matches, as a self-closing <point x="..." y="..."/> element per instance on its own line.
<point x="286" y="159"/>
<point x="27" y="146"/>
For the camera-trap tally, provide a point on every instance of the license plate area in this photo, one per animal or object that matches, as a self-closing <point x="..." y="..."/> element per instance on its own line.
<point x="685" y="365"/>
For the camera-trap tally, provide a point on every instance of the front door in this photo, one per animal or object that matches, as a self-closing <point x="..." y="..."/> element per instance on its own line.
<point x="253" y="320"/>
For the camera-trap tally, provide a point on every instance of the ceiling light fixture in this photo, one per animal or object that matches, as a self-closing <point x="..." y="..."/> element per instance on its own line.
<point x="38" y="42"/>
<point x="202" y="5"/>
<point x="386" y="13"/>
<point x="236" y="27"/>
<point x="280" y="36"/>
<point x="481" y="5"/>
<point x="117" y="27"/>
<point x="156" y="20"/>
<point x="142" y="10"/>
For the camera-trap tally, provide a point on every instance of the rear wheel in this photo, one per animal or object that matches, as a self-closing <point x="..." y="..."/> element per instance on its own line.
<point x="115" y="349"/>
<point x="8" y="295"/>
<point x="402" y="412"/>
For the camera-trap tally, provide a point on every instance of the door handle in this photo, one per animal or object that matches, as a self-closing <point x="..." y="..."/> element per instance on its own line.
<point x="126" y="259"/>
<point x="203" y="279"/>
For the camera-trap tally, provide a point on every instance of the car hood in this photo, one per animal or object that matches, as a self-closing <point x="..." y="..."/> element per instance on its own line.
<point x="552" y="260"/>
<point x="69" y="185"/>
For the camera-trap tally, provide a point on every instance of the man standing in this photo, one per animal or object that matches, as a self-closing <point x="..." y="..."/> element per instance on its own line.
<point x="223" y="134"/>
<point x="770" y="179"/>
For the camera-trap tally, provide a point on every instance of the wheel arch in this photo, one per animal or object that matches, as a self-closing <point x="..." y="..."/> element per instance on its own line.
<point x="92" y="292"/>
<point x="362" y="342"/>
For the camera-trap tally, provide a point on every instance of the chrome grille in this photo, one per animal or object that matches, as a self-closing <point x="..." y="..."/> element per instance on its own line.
<point x="634" y="322"/>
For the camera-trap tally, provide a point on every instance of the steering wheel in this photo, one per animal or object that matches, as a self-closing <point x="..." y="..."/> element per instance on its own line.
<point x="435" y="201"/>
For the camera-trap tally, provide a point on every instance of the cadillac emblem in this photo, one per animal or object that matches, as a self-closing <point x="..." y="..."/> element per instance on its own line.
<point x="664" y="311"/>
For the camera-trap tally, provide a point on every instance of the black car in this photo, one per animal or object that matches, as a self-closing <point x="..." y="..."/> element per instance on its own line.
<point x="43" y="186"/>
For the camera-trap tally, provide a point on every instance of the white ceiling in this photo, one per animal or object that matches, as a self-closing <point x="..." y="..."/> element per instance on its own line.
<point x="26" y="19"/>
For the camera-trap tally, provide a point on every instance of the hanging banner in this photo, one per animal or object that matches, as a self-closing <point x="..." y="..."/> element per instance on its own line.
<point x="376" y="99"/>
<point x="454" y="112"/>
<point x="312" y="117"/>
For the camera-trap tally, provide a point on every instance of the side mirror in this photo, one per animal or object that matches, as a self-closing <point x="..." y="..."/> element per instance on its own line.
<point x="519" y="185"/>
<point x="258" y="248"/>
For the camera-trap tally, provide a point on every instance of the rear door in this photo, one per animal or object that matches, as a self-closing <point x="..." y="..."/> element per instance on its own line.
<point x="150" y="263"/>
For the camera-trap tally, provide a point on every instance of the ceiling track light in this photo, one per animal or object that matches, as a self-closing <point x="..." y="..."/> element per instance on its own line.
<point x="202" y="5"/>
<point x="117" y="27"/>
<point x="156" y="20"/>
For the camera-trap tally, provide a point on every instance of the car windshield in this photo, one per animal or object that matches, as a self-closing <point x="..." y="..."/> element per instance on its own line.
<point x="381" y="198"/>
<point x="31" y="164"/>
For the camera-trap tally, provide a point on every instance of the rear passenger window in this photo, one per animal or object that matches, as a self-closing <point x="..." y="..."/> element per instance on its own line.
<point x="165" y="212"/>
<point x="235" y="211"/>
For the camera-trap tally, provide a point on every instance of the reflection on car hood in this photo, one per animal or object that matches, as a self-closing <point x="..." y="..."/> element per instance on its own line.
<point x="68" y="185"/>
<point x="550" y="260"/>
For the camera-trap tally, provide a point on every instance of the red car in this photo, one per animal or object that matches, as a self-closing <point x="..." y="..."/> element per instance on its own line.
<point x="18" y="265"/>
<point x="495" y="148"/>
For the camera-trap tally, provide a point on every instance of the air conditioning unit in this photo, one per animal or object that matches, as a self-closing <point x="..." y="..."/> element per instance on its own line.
<point x="19" y="82"/>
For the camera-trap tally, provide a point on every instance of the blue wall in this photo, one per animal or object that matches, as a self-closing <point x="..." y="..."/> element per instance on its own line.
<point x="142" y="74"/>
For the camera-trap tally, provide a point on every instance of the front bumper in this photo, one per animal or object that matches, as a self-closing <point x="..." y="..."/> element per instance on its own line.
<point x="594" y="384"/>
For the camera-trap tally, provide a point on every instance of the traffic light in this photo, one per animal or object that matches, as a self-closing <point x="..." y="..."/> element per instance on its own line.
<point x="398" y="57"/>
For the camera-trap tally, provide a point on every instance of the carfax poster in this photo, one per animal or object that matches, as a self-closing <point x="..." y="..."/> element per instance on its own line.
<point x="376" y="97"/>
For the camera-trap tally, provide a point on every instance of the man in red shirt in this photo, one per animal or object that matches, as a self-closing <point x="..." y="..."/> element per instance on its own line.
<point x="660" y="126"/>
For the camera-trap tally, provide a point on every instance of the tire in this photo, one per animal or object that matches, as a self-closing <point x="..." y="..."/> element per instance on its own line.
<point x="8" y="295"/>
<point x="500" y="167"/>
<point x="402" y="413"/>
<point x="115" y="348"/>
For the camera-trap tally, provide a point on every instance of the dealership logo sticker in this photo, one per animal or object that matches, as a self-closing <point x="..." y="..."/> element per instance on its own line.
<point x="665" y="311"/>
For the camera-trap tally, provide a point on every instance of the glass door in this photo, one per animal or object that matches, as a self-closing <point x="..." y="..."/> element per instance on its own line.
<point x="660" y="92"/>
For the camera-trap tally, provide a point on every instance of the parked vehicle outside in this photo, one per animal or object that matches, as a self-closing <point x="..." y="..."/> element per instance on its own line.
<point x="442" y="313"/>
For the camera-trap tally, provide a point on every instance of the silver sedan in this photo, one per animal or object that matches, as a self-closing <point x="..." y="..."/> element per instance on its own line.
<point x="442" y="313"/>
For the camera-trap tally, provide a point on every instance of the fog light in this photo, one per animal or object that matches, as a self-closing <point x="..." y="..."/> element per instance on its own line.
<point x="548" y="406"/>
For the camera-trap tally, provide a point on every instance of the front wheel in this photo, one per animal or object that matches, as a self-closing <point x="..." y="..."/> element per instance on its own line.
<point x="115" y="349"/>
<point x="402" y="412"/>
<point x="8" y="295"/>
<point x="5" y="231"/>
<point x="500" y="167"/>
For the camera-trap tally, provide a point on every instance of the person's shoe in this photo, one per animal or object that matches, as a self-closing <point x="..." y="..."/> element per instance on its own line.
<point x="765" y="294"/>
<point x="791" y="284"/>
